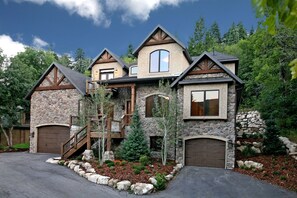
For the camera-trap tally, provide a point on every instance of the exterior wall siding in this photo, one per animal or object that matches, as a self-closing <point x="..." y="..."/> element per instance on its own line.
<point x="177" y="61"/>
<point x="52" y="107"/>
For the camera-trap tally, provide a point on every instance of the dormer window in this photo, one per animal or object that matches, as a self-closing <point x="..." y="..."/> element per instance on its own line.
<point x="133" y="70"/>
<point x="159" y="61"/>
<point x="106" y="74"/>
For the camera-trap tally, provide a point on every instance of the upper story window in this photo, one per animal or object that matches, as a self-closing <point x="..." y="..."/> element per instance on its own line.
<point x="159" y="61"/>
<point x="106" y="74"/>
<point x="133" y="70"/>
<point x="150" y="103"/>
<point x="205" y="103"/>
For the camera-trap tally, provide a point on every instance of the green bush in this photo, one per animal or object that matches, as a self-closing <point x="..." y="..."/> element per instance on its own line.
<point x="109" y="163"/>
<point x="79" y="158"/>
<point x="61" y="162"/>
<point x="282" y="177"/>
<point x="276" y="173"/>
<point x="248" y="151"/>
<point x="136" y="171"/>
<point x="144" y="160"/>
<point x="161" y="181"/>
<point x="123" y="163"/>
<point x="21" y="146"/>
<point x="136" y="144"/>
<point x="272" y="145"/>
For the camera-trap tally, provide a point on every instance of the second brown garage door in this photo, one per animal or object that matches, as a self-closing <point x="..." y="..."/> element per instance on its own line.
<point x="51" y="137"/>
<point x="205" y="152"/>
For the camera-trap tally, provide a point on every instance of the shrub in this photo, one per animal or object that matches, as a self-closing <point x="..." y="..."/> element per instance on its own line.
<point x="109" y="163"/>
<point x="79" y="157"/>
<point x="282" y="177"/>
<point x="61" y="162"/>
<point x="123" y="163"/>
<point x="136" y="144"/>
<point x="276" y="173"/>
<point x="272" y="145"/>
<point x="136" y="171"/>
<point x="144" y="160"/>
<point x="161" y="181"/>
<point x="248" y="151"/>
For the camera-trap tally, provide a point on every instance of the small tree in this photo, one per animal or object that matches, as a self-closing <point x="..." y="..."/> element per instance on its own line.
<point x="166" y="112"/>
<point x="272" y="144"/>
<point x="101" y="108"/>
<point x="136" y="145"/>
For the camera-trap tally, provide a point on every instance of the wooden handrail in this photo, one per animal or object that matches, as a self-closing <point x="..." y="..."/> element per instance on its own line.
<point x="75" y="140"/>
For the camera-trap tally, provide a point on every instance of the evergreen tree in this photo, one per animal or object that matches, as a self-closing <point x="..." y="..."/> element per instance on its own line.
<point x="129" y="57"/>
<point x="242" y="34"/>
<point x="215" y="32"/>
<point x="81" y="61"/>
<point x="272" y="144"/>
<point x="136" y="144"/>
<point x="252" y="31"/>
<point x="196" y="43"/>
<point x="65" y="60"/>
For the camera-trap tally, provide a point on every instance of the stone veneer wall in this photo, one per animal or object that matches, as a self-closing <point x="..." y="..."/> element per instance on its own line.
<point x="52" y="107"/>
<point x="219" y="128"/>
<point x="149" y="125"/>
<point x="249" y="122"/>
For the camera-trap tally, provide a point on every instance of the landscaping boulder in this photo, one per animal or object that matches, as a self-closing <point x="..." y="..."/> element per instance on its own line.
<point x="103" y="180"/>
<point x="142" y="188"/>
<point x="168" y="177"/>
<point x="123" y="185"/>
<point x="88" y="155"/>
<point x="72" y="166"/>
<point x="241" y="148"/>
<point x="52" y="161"/>
<point x="91" y="170"/>
<point x="251" y="164"/>
<point x="86" y="165"/>
<point x="113" y="183"/>
<point x="257" y="150"/>
<point x="257" y="144"/>
<point x="108" y="155"/>
<point x="87" y="175"/>
<point x="292" y="147"/>
<point x="153" y="180"/>
<point x="93" y="178"/>
<point x="82" y="173"/>
<point x="240" y="163"/>
<point x="76" y="168"/>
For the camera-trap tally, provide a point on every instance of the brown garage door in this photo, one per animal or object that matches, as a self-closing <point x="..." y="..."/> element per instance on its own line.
<point x="205" y="152"/>
<point x="51" y="137"/>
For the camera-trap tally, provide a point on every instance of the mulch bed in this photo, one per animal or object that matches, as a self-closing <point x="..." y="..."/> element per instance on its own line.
<point x="251" y="140"/>
<point x="126" y="172"/>
<point x="278" y="170"/>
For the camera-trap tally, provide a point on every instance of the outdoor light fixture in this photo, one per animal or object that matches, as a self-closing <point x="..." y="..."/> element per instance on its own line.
<point x="32" y="134"/>
<point x="180" y="142"/>
<point x="230" y="144"/>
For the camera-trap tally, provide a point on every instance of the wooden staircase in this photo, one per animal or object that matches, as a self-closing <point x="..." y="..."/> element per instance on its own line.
<point x="75" y="143"/>
<point x="82" y="139"/>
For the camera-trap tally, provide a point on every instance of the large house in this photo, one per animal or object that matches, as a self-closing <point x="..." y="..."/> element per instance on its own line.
<point x="207" y="88"/>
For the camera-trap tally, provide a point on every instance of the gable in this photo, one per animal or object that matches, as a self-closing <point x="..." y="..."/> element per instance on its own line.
<point x="105" y="58"/>
<point x="159" y="37"/>
<point x="54" y="80"/>
<point x="205" y="66"/>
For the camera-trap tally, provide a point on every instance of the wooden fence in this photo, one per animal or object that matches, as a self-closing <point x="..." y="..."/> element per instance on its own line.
<point x="21" y="134"/>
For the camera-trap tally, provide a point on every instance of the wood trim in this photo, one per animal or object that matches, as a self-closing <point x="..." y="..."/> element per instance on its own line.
<point x="120" y="85"/>
<point x="55" y="87"/>
<point x="150" y="43"/>
<point x="55" y="75"/>
<point x="49" y="80"/>
<point x="61" y="79"/>
<point x="210" y="71"/>
<point x="106" y="61"/>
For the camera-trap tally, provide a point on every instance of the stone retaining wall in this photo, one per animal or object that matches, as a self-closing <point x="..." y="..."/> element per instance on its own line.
<point x="249" y="122"/>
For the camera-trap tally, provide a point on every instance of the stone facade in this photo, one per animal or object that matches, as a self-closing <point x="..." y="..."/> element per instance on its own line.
<point x="223" y="129"/>
<point x="149" y="125"/>
<point x="249" y="122"/>
<point x="52" y="107"/>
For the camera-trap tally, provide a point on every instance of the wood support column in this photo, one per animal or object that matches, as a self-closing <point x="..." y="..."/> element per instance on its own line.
<point x="132" y="98"/>
<point x="89" y="136"/>
<point x="108" y="146"/>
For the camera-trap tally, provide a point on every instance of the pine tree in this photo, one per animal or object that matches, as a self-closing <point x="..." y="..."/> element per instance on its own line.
<point x="272" y="144"/>
<point x="215" y="32"/>
<point x="196" y="46"/>
<point x="136" y="144"/>
<point x="242" y="34"/>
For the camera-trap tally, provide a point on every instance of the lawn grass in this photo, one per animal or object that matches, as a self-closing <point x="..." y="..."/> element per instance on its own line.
<point x="21" y="146"/>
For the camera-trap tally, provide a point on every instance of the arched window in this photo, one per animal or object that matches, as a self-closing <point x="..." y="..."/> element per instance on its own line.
<point x="150" y="104"/>
<point x="159" y="61"/>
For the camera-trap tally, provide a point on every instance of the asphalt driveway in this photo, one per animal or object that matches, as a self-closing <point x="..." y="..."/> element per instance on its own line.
<point x="27" y="175"/>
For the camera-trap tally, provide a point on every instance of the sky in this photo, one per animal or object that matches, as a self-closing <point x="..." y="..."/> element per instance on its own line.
<point x="65" y="25"/>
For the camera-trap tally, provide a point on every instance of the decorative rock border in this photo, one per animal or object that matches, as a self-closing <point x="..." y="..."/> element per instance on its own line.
<point x="85" y="169"/>
<point x="249" y="164"/>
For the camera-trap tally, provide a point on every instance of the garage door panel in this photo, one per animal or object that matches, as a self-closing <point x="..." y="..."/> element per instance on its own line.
<point x="205" y="152"/>
<point x="51" y="137"/>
